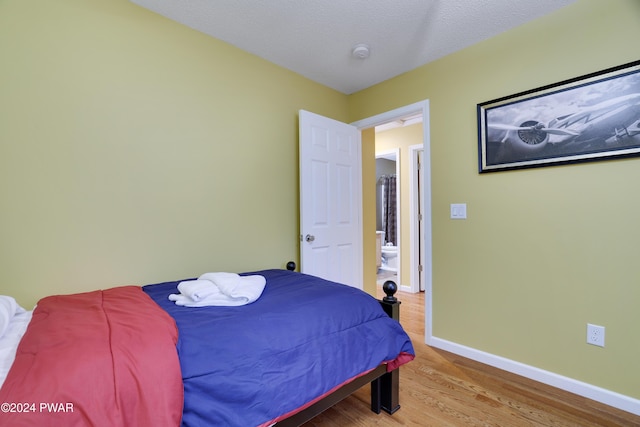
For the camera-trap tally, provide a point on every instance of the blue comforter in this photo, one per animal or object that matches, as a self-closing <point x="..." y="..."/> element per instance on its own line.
<point x="249" y="365"/>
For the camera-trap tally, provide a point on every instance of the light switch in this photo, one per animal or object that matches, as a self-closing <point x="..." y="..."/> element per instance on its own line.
<point x="458" y="211"/>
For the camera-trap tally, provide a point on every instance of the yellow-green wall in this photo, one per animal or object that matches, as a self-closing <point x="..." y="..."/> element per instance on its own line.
<point x="135" y="150"/>
<point x="401" y="139"/>
<point x="543" y="251"/>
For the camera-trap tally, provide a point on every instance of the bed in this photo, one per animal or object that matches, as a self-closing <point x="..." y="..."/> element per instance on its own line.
<point x="131" y="356"/>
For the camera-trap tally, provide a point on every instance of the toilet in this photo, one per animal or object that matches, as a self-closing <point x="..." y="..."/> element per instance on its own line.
<point x="389" y="258"/>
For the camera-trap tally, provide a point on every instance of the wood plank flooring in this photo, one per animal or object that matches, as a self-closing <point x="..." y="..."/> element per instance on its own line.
<point x="442" y="389"/>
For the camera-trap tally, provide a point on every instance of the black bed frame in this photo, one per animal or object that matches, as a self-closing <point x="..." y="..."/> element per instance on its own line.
<point x="384" y="385"/>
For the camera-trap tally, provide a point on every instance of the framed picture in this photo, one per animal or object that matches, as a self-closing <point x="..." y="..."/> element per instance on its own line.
<point x="592" y="117"/>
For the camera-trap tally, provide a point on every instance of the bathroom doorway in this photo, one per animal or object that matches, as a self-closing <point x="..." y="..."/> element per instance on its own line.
<point x="388" y="216"/>
<point x="404" y="116"/>
<point x="399" y="141"/>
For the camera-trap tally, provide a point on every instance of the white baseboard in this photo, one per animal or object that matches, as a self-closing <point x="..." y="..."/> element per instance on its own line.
<point x="589" y="391"/>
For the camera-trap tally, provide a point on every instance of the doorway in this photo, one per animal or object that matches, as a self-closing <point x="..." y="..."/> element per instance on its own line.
<point x="425" y="256"/>
<point x="388" y="217"/>
<point x="399" y="146"/>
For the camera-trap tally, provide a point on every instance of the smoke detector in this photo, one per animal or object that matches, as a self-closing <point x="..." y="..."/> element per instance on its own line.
<point x="360" y="51"/>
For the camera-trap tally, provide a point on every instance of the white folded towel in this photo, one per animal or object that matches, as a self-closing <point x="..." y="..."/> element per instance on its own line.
<point x="221" y="279"/>
<point x="198" y="290"/>
<point x="248" y="288"/>
<point x="222" y="289"/>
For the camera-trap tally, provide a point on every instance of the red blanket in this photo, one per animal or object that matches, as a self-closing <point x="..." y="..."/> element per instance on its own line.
<point x="103" y="358"/>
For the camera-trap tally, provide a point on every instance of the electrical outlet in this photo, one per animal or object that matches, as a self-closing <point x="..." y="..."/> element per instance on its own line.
<point x="595" y="335"/>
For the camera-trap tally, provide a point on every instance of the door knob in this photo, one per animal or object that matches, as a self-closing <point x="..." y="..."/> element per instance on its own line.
<point x="309" y="238"/>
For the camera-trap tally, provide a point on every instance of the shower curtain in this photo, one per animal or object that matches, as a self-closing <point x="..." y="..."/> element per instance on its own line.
<point x="389" y="210"/>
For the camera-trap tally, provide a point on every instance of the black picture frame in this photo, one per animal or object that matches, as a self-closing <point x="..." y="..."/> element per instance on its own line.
<point x="592" y="117"/>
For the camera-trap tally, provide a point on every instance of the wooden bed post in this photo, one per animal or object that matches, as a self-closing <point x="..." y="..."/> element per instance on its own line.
<point x="385" y="389"/>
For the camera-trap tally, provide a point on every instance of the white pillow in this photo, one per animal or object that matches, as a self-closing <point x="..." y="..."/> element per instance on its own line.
<point x="8" y="308"/>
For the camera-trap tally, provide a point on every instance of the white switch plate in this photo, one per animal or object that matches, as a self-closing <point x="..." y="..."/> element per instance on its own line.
<point x="458" y="211"/>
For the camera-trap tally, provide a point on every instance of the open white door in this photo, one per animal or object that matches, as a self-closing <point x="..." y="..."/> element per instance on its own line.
<point x="330" y="199"/>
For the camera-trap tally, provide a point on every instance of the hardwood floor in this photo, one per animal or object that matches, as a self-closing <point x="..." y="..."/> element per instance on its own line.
<point x="442" y="389"/>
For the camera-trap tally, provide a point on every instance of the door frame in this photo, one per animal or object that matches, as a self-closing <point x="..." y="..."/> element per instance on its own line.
<point x="415" y="207"/>
<point x="427" y="261"/>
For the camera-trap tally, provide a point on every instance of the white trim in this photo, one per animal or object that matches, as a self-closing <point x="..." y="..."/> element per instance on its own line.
<point x="421" y="107"/>
<point x="580" y="388"/>
<point x="405" y="288"/>
<point x="414" y="241"/>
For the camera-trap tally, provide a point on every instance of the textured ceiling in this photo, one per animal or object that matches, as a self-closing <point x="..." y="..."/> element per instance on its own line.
<point x="315" y="37"/>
